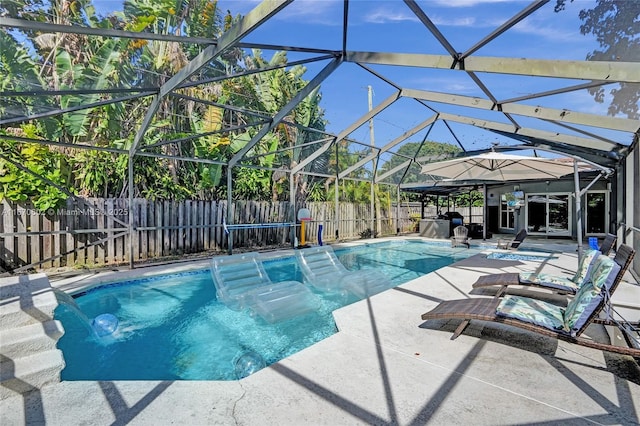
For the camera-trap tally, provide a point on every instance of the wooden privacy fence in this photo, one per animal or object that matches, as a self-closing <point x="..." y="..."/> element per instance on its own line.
<point x="95" y="231"/>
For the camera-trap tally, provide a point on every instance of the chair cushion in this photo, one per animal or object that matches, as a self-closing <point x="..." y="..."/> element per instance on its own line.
<point x="532" y="311"/>
<point x="583" y="268"/>
<point x="549" y="280"/>
<point x="589" y="296"/>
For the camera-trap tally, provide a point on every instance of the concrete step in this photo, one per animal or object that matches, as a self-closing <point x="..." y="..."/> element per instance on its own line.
<point x="25" y="374"/>
<point x="29" y="339"/>
<point x="18" y="285"/>
<point x="29" y="359"/>
<point x="29" y="308"/>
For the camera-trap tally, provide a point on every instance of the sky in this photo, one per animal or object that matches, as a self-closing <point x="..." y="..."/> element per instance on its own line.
<point x="390" y="26"/>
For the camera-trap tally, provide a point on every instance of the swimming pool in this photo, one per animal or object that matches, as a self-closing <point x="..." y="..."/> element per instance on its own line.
<point x="172" y="328"/>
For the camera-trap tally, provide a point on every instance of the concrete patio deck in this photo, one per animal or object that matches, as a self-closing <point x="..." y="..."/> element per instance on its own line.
<point x="386" y="366"/>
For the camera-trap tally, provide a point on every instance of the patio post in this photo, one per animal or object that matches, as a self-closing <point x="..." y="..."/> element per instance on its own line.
<point x="576" y="180"/>
<point x="293" y="215"/>
<point x="131" y="227"/>
<point x="337" y="209"/>
<point x="484" y="212"/>
<point x="398" y="210"/>
<point x="229" y="219"/>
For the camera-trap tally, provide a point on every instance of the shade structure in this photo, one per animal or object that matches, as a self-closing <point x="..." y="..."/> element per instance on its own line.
<point x="498" y="167"/>
<point x="495" y="166"/>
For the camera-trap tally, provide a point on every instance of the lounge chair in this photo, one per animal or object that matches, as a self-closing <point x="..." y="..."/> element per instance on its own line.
<point x="322" y="269"/>
<point x="242" y="283"/>
<point x="607" y="244"/>
<point x="544" y="318"/>
<point x="460" y="236"/>
<point x="552" y="282"/>
<point x="514" y="243"/>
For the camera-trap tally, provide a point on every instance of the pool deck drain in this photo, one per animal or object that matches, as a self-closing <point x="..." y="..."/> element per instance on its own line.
<point x="386" y="366"/>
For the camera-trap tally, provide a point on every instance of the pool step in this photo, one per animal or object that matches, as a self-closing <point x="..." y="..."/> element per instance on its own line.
<point x="29" y="373"/>
<point x="26" y="340"/>
<point x="29" y="358"/>
<point x="26" y="299"/>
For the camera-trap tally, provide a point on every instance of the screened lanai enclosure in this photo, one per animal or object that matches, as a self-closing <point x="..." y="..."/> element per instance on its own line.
<point x="137" y="127"/>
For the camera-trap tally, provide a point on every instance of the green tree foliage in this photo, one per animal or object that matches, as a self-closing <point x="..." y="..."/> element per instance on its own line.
<point x="65" y="62"/>
<point x="21" y="186"/>
<point x="616" y="25"/>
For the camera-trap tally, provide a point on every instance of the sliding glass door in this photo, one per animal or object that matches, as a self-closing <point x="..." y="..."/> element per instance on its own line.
<point x="548" y="214"/>
<point x="597" y="215"/>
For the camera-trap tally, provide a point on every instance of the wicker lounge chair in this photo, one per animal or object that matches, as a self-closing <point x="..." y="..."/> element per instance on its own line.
<point x="552" y="282"/>
<point x="460" y="236"/>
<point x="323" y="270"/>
<point x="544" y="318"/>
<point x="607" y="244"/>
<point x="514" y="243"/>
<point x="242" y="283"/>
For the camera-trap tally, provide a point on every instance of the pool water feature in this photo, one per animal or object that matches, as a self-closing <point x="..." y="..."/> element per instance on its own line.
<point x="172" y="327"/>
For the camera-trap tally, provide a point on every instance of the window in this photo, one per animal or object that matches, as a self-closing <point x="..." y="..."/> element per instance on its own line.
<point x="507" y="212"/>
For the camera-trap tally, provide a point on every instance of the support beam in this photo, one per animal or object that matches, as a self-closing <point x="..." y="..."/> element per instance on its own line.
<point x="247" y="24"/>
<point x="345" y="26"/>
<point x="261" y="115"/>
<point x="380" y="76"/>
<point x="601" y="158"/>
<point x="527" y="11"/>
<point x="432" y="27"/>
<point x="179" y="158"/>
<point x="111" y="33"/>
<point x="289" y="148"/>
<point x="202" y="135"/>
<point x="64" y="144"/>
<point x="543" y="113"/>
<point x="621" y="72"/>
<point x="388" y="146"/>
<point x="578" y="201"/>
<point x="317" y="153"/>
<point x="254" y="71"/>
<point x="553" y="92"/>
<point x="79" y="92"/>
<point x="540" y="134"/>
<point x="303" y="93"/>
<point x="369" y="115"/>
<point x="61" y="111"/>
<point x="583" y="132"/>
<point x="47" y="27"/>
<point x="393" y="171"/>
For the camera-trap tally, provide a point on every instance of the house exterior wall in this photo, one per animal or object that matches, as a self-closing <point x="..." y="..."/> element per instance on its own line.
<point x="564" y="186"/>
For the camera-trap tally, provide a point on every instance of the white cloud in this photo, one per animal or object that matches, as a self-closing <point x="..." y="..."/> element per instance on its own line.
<point x="468" y="21"/>
<point x="551" y="33"/>
<point x="382" y="16"/>
<point x="385" y="15"/>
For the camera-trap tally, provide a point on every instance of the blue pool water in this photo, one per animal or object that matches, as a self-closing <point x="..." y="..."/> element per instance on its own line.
<point x="172" y="328"/>
<point x="516" y="256"/>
